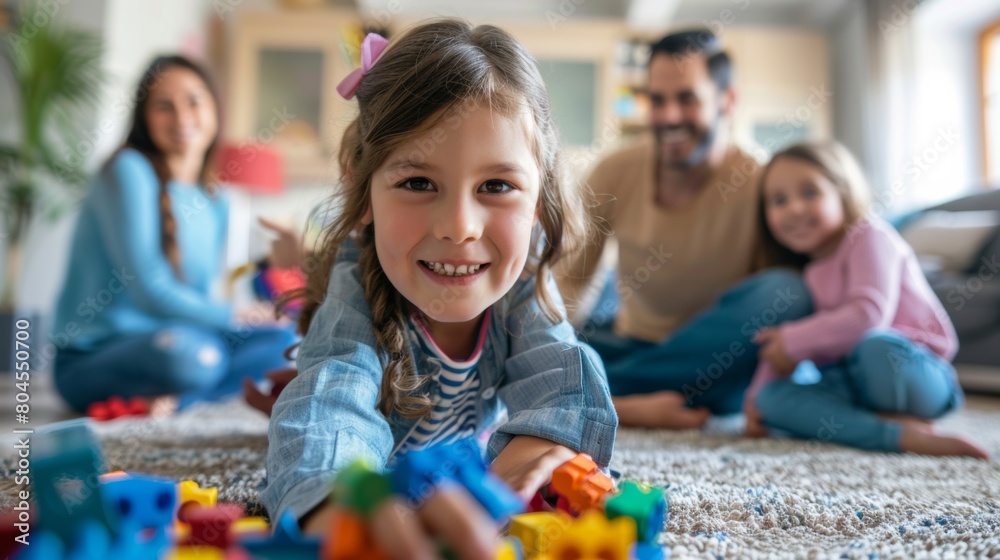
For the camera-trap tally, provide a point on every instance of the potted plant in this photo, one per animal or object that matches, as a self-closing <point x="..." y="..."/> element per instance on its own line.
<point x="56" y="80"/>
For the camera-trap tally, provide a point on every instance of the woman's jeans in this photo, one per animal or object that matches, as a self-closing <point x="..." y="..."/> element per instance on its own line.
<point x="191" y="361"/>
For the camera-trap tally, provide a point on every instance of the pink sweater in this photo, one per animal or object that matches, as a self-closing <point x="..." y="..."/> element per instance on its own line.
<point x="872" y="281"/>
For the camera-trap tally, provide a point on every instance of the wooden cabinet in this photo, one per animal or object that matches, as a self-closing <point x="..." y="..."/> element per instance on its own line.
<point x="283" y="71"/>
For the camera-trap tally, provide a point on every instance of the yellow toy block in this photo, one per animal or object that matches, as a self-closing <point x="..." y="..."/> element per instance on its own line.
<point x="248" y="526"/>
<point x="196" y="553"/>
<point x="538" y="530"/>
<point x="189" y="491"/>
<point x="507" y="551"/>
<point x="592" y="536"/>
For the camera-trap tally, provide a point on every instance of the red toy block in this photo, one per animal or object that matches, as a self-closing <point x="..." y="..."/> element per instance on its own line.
<point x="582" y="485"/>
<point x="116" y="407"/>
<point x="210" y="526"/>
<point x="12" y="526"/>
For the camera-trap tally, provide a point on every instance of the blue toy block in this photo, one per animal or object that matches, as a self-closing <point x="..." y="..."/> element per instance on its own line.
<point x="45" y="545"/>
<point x="419" y="473"/>
<point x="287" y="543"/>
<point x="91" y="541"/>
<point x="65" y="470"/>
<point x="144" y="501"/>
<point x="649" y="551"/>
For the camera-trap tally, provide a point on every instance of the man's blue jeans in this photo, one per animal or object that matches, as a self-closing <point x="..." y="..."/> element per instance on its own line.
<point x="711" y="359"/>
<point x="194" y="362"/>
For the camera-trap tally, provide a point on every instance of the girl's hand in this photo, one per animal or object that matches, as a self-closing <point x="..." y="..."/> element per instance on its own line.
<point x="286" y="248"/>
<point x="264" y="403"/>
<point x="755" y="427"/>
<point x="772" y="351"/>
<point x="450" y="516"/>
<point x="526" y="464"/>
<point x="256" y="314"/>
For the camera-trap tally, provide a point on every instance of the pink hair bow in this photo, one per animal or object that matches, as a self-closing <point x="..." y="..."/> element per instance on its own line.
<point x="371" y="49"/>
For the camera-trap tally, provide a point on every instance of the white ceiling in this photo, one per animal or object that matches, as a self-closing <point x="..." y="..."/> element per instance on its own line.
<point x="655" y="14"/>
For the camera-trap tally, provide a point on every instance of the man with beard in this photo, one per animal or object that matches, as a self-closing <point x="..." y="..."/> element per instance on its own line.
<point x="675" y="327"/>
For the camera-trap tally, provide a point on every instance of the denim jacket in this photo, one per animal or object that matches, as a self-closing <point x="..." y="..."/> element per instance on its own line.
<point x="550" y="384"/>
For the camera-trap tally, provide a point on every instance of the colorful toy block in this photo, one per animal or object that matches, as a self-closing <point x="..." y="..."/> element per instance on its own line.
<point x="250" y="527"/>
<point x="189" y="493"/>
<point x="349" y="539"/>
<point x="15" y="529"/>
<point x="189" y="552"/>
<point x="65" y="480"/>
<point x="536" y="531"/>
<point x="91" y="542"/>
<point x="581" y="483"/>
<point x="593" y="536"/>
<point x="287" y="543"/>
<point x="419" y="473"/>
<point x="117" y="407"/>
<point x="510" y="549"/>
<point x="146" y="502"/>
<point x="210" y="526"/>
<point x="647" y="506"/>
<point x="649" y="551"/>
<point x="360" y="489"/>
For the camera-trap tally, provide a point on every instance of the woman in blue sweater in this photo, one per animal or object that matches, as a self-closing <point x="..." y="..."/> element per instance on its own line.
<point x="148" y="247"/>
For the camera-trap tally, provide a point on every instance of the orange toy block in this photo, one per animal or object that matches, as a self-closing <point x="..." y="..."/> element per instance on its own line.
<point x="581" y="483"/>
<point x="348" y="539"/>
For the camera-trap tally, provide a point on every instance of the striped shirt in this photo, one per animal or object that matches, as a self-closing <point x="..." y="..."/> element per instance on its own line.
<point x="454" y="394"/>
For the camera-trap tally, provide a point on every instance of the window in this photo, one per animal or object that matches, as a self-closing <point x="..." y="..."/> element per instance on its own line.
<point x="989" y="42"/>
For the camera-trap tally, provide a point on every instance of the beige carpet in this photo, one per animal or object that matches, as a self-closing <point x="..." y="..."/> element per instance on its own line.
<point x="730" y="497"/>
<point x="737" y="498"/>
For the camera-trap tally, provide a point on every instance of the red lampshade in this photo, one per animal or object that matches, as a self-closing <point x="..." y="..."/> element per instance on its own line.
<point x="254" y="168"/>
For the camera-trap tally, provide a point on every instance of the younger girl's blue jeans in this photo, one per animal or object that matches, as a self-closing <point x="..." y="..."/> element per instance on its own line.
<point x="886" y="372"/>
<point x="192" y="361"/>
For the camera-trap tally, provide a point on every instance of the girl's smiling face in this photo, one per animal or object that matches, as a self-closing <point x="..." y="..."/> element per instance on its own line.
<point x="804" y="209"/>
<point x="453" y="210"/>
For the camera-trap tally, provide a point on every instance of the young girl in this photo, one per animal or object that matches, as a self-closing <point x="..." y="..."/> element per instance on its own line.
<point x="879" y="336"/>
<point x="435" y="308"/>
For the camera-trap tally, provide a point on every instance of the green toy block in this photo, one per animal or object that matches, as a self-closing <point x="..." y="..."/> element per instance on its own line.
<point x="360" y="489"/>
<point x="646" y="505"/>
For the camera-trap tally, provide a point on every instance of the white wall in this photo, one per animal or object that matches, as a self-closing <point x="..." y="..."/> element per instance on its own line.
<point x="133" y="32"/>
<point x="848" y="48"/>
<point x="921" y="134"/>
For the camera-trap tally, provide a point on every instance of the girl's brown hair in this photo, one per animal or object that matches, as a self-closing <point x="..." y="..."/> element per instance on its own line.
<point x="837" y="164"/>
<point x="432" y="72"/>
<point x="140" y="140"/>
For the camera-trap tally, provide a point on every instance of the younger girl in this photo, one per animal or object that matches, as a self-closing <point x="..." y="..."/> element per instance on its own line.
<point x="434" y="309"/>
<point x="879" y="336"/>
